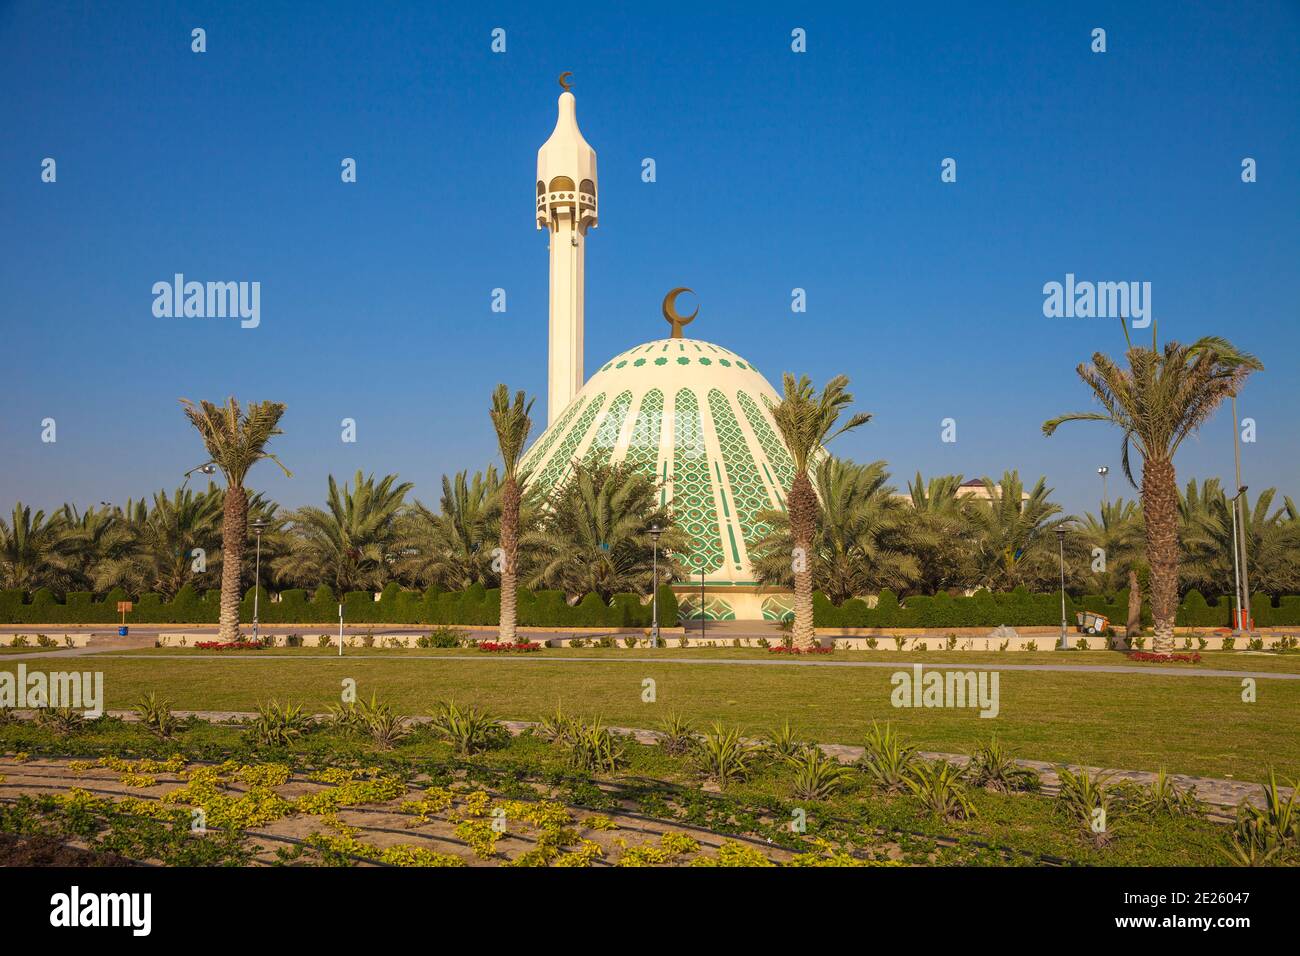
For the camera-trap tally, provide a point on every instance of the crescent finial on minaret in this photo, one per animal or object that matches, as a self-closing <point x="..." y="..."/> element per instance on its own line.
<point x="564" y="80"/>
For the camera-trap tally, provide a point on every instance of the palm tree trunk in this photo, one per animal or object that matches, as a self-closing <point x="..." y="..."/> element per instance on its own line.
<point x="1160" y="511"/>
<point x="509" y="550"/>
<point x="234" y="528"/>
<point x="1134" y="626"/>
<point x="803" y="524"/>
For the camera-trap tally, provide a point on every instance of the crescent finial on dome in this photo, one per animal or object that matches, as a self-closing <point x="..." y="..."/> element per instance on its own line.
<point x="675" y="319"/>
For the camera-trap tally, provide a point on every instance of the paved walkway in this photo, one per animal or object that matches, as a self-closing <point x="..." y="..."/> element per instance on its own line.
<point x="937" y="663"/>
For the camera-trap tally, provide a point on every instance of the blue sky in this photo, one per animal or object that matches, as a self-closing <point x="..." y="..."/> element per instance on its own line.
<point x="775" y="170"/>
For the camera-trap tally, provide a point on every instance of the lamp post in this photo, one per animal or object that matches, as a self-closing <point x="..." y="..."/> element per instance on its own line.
<point x="1060" y="538"/>
<point x="1241" y="518"/>
<point x="655" y="532"/>
<point x="258" y="526"/>
<point x="208" y="468"/>
<point x="701" y="598"/>
<point x="1236" y="568"/>
<point x="1103" y="471"/>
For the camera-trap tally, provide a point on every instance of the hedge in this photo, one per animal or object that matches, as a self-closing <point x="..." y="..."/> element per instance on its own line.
<point x="1019" y="608"/>
<point x="474" y="606"/>
<point x="481" y="606"/>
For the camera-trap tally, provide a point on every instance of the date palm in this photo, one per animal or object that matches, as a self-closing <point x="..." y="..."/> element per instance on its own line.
<point x="153" y="548"/>
<point x="512" y="423"/>
<point x="236" y="440"/>
<point x="1117" y="531"/>
<point x="943" y="547"/>
<point x="592" y="535"/>
<point x="350" y="541"/>
<point x="1272" y="540"/>
<point x="866" y="538"/>
<point x="1162" y="397"/>
<point x="1012" y="532"/>
<point x="451" y="548"/>
<point x="807" y="423"/>
<point x="30" y="551"/>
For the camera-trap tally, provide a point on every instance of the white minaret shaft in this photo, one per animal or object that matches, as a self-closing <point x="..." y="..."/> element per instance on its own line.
<point x="566" y="208"/>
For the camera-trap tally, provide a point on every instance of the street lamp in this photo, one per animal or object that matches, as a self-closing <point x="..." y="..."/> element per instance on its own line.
<point x="1237" y="563"/>
<point x="1103" y="471"/>
<point x="1241" y="520"/>
<point x="259" y="525"/>
<point x="1060" y="537"/>
<point x="208" y="468"/>
<point x="655" y="532"/>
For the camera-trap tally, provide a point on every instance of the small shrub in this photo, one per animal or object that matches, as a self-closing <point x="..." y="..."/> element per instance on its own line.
<point x="469" y="730"/>
<point x="817" y="776"/>
<point x="678" y="734"/>
<point x="723" y="755"/>
<point x="887" y="760"/>
<point x="939" y="788"/>
<point x="277" y="725"/>
<point x="157" y="716"/>
<point x="993" y="768"/>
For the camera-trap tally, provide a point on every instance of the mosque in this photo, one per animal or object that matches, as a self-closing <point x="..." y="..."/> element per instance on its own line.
<point x="690" y="414"/>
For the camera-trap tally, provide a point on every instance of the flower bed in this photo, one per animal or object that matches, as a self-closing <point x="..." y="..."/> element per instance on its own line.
<point x="783" y="649"/>
<point x="522" y="647"/>
<point x="1164" y="658"/>
<point x="228" y="646"/>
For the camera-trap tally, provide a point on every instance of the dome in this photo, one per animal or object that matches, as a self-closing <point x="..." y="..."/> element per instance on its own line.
<point x="693" y="416"/>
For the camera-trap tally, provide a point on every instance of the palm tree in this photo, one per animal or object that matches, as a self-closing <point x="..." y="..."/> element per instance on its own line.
<point x="451" y="548"/>
<point x="512" y="424"/>
<point x="30" y="555"/>
<point x="1117" y="531"/>
<point x="351" y="541"/>
<point x="90" y="537"/>
<point x="152" y="549"/>
<point x="866" y="536"/>
<point x="1272" y="540"/>
<point x="1012" y="533"/>
<point x="807" y="423"/>
<point x="236" y="440"/>
<point x="1162" y="397"/>
<point x="592" y="535"/>
<point x="942" y="537"/>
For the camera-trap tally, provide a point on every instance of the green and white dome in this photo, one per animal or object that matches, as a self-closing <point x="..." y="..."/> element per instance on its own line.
<point x="694" y="416"/>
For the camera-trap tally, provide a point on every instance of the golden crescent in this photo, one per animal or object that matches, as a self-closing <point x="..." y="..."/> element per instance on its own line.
<point x="564" y="80"/>
<point x="675" y="319"/>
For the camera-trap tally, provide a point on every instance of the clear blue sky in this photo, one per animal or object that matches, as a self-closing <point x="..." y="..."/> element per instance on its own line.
<point x="775" y="170"/>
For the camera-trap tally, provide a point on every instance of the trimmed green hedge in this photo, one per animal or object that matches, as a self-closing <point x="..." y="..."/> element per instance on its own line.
<point x="1019" y="608"/>
<point x="474" y="606"/>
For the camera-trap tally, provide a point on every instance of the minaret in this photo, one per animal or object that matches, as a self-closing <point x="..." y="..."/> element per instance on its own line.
<point x="566" y="208"/>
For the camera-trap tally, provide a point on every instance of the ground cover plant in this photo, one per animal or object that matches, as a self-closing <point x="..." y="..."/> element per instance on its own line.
<point x="329" y="796"/>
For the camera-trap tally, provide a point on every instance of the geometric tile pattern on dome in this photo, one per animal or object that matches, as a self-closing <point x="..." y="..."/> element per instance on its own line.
<point x="602" y="446"/>
<point x="748" y="493"/>
<point x="773" y="447"/>
<point x="564" y="454"/>
<point x="537" y="455"/>
<point x="692" y="485"/>
<point x="643" y="447"/>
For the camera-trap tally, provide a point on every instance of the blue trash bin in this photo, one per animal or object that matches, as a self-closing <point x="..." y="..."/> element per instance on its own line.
<point x="122" y="630"/>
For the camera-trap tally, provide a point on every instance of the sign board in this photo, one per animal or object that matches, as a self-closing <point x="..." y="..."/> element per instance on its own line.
<point x="123" y="607"/>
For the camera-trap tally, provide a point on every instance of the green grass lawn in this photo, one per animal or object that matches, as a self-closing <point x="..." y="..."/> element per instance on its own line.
<point x="1187" y="725"/>
<point x="1210" y="660"/>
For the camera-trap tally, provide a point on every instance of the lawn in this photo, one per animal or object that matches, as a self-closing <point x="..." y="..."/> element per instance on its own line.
<point x="1194" y="725"/>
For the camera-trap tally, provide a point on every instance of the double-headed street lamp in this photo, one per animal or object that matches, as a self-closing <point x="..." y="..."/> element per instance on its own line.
<point x="258" y="526"/>
<point x="1238" y="625"/>
<point x="1060" y="537"/>
<point x="655" y="532"/>
<point x="1103" y="471"/>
